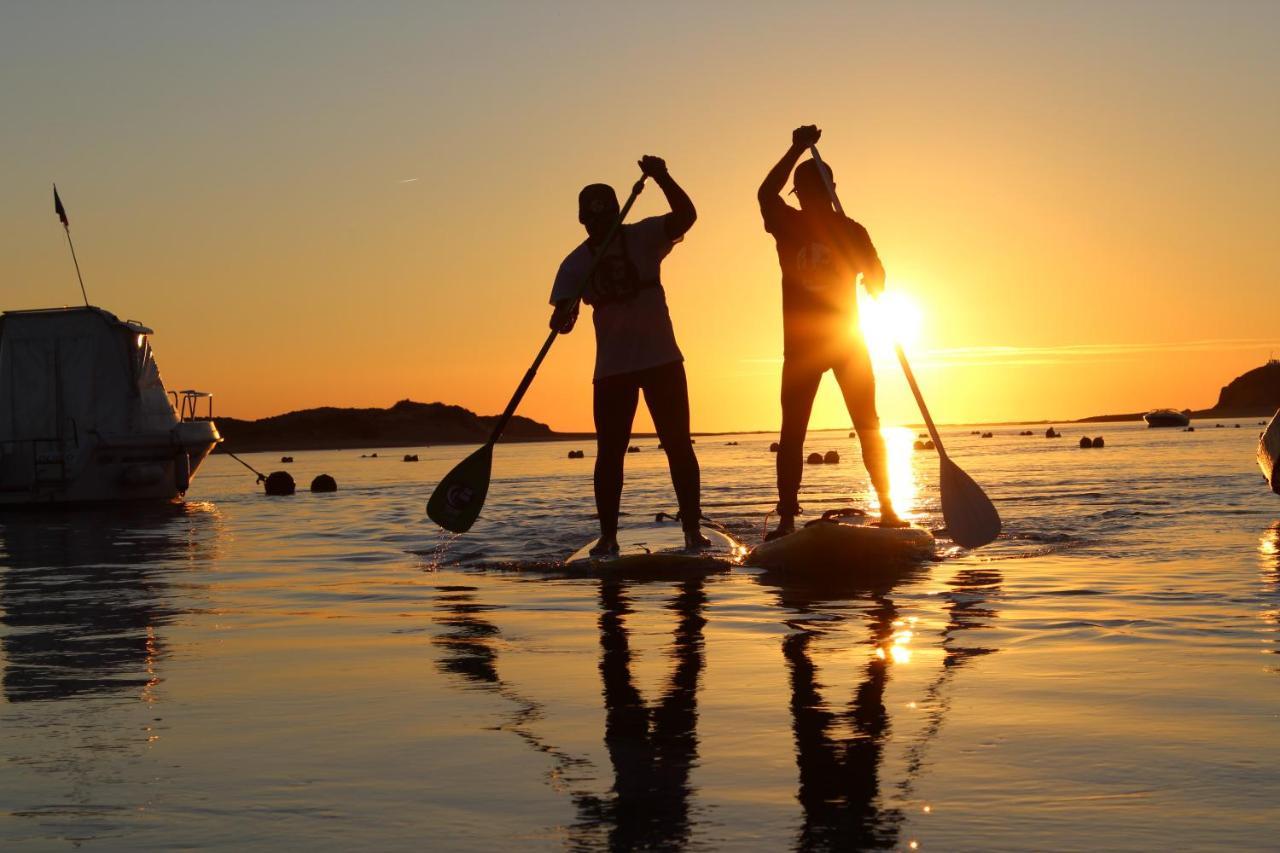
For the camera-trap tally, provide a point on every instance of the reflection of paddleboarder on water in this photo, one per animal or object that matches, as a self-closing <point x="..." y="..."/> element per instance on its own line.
<point x="635" y="344"/>
<point x="840" y="744"/>
<point x="652" y="746"/>
<point x="822" y="254"/>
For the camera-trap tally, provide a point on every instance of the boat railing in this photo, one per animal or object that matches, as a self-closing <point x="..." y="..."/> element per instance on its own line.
<point x="186" y="404"/>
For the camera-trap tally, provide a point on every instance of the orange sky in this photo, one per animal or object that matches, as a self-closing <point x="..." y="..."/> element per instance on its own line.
<point x="331" y="204"/>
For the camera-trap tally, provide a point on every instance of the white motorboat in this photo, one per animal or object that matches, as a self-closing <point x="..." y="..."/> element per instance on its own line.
<point x="84" y="415"/>
<point x="1166" y="418"/>
<point x="1269" y="452"/>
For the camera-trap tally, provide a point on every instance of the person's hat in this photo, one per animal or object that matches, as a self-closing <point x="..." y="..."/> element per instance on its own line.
<point x="596" y="194"/>
<point x="808" y="175"/>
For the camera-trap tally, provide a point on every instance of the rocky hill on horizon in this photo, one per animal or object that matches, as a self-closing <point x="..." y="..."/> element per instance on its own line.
<point x="406" y="424"/>
<point x="1253" y="394"/>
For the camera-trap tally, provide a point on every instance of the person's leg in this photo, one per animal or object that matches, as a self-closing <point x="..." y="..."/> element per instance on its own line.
<point x="666" y="393"/>
<point x="858" y="385"/>
<point x="614" y="404"/>
<point x="800" y="379"/>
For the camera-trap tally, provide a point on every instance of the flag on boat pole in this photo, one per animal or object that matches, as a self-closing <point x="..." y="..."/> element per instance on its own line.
<point x="59" y="209"/>
<point x="66" y="226"/>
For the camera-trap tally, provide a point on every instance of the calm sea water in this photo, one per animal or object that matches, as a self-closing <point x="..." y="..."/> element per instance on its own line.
<point x="327" y="672"/>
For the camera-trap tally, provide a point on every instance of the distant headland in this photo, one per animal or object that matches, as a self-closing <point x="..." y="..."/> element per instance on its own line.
<point x="406" y="424"/>
<point x="1255" y="394"/>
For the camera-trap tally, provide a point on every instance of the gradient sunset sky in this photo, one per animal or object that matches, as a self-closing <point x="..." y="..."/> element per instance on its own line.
<point x="350" y="204"/>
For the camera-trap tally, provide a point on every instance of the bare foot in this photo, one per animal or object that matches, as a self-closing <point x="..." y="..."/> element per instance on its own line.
<point x="785" y="525"/>
<point x="889" y="518"/>
<point x="695" y="541"/>
<point x="605" y="548"/>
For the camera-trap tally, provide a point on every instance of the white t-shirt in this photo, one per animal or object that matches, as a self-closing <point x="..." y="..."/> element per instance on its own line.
<point x="633" y="332"/>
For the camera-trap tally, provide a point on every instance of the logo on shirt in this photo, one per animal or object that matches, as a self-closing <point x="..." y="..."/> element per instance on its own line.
<point x="812" y="261"/>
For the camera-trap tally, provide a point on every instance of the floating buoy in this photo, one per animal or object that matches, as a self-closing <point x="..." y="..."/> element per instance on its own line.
<point x="286" y="458"/>
<point x="373" y="456"/>
<point x="929" y="445"/>
<point x="279" y="483"/>
<point x="853" y="433"/>
<point x="1086" y="441"/>
<point x="411" y="457"/>
<point x="831" y="458"/>
<point x="773" y="447"/>
<point x="324" y="483"/>
<point x="918" y="445"/>
<point x="1189" y="429"/>
<point x="1097" y="442"/>
<point x="988" y="435"/>
<point x="814" y="459"/>
<point x="633" y="449"/>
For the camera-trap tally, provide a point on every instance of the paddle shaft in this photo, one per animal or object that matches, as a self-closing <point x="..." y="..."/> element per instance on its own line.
<point x="551" y="338"/>
<point x="902" y="355"/>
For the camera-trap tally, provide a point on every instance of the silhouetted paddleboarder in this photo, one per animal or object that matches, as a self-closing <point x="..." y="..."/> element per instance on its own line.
<point x="635" y="344"/>
<point x="821" y="253"/>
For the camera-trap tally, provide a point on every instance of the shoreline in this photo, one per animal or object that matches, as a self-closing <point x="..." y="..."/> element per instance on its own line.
<point x="310" y="444"/>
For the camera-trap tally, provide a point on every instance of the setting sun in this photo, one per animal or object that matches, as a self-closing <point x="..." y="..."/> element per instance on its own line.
<point x="892" y="317"/>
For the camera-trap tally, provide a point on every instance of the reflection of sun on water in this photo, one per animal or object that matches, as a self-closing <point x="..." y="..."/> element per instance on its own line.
<point x="898" y="647"/>
<point x="898" y="447"/>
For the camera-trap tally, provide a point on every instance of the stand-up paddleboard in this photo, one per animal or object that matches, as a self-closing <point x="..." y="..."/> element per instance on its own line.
<point x="657" y="548"/>
<point x="840" y="542"/>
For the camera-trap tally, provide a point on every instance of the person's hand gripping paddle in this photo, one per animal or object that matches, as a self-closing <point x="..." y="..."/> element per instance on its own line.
<point x="456" y="503"/>
<point x="972" y="520"/>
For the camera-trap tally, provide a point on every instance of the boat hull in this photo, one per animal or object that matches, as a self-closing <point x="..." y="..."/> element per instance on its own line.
<point x="146" y="467"/>
<point x="1166" y="418"/>
<point x="1269" y="452"/>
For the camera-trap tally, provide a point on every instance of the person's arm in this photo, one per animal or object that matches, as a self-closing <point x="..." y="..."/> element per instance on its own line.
<point x="564" y="315"/>
<point x="872" y="269"/>
<point x="683" y="214"/>
<point x="771" y="189"/>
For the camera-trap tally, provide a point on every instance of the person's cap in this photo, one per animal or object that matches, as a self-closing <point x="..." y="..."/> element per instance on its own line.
<point x="808" y="175"/>
<point x="597" y="197"/>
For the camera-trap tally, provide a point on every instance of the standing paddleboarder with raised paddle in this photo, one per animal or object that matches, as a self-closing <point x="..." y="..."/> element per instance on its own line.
<point x="635" y="344"/>
<point x="822" y="252"/>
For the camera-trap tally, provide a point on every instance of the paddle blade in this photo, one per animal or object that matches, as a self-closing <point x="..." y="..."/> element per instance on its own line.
<point x="456" y="503"/>
<point x="972" y="520"/>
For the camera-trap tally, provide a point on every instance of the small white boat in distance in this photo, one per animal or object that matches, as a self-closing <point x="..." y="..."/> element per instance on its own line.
<point x="84" y="416"/>
<point x="1269" y="452"/>
<point x="1166" y="418"/>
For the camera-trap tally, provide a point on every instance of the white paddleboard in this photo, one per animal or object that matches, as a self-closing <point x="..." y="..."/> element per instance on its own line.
<point x="657" y="548"/>
<point x="843" y="545"/>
